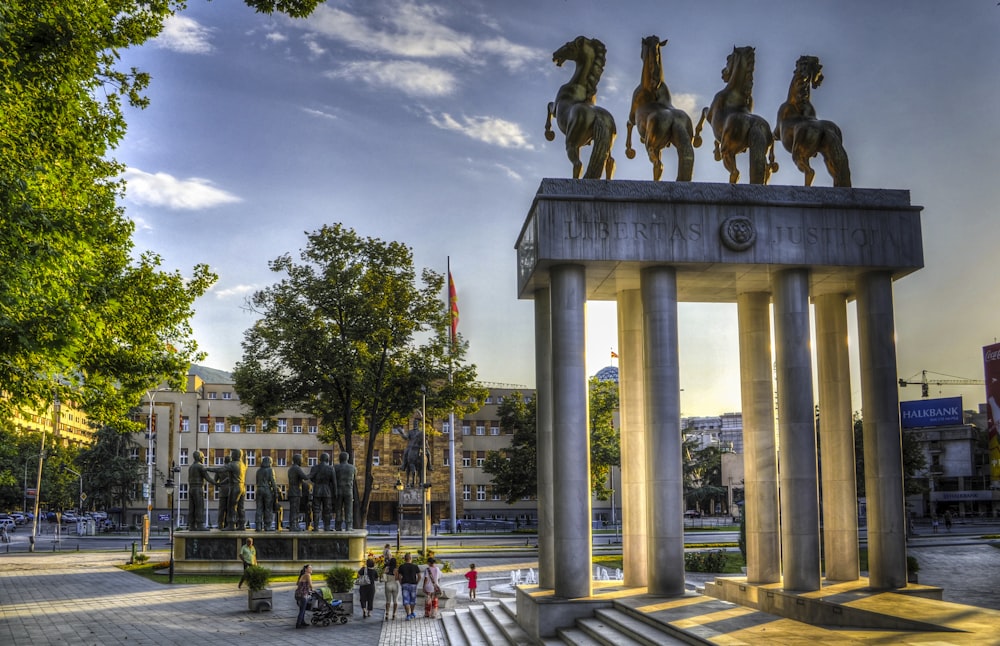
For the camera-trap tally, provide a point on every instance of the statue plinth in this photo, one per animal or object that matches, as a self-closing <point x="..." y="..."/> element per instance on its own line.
<point x="217" y="552"/>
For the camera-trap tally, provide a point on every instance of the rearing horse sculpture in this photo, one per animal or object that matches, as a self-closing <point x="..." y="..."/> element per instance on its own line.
<point x="658" y="121"/>
<point x="735" y="126"/>
<point x="802" y="134"/>
<point x="575" y="111"/>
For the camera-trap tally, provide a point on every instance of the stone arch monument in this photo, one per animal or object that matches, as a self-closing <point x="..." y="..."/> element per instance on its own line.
<point x="649" y="246"/>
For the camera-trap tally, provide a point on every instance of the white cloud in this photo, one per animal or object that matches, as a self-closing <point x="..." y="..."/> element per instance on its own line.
<point x="416" y="31"/>
<point x="184" y="35"/>
<point x="688" y="103"/>
<point x="510" y="172"/>
<point x="237" y="290"/>
<point x="162" y="189"/>
<point x="410" y="77"/>
<point x="319" y="113"/>
<point x="490" y="130"/>
<point x="275" y="37"/>
<point x="315" y="49"/>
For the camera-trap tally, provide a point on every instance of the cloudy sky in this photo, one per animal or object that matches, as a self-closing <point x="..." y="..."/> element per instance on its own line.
<point x="423" y="122"/>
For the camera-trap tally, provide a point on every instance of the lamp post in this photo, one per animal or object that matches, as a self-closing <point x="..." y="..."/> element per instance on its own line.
<point x="399" y="509"/>
<point x="424" y="485"/>
<point x="148" y="521"/>
<point x="169" y="486"/>
<point x="26" y="461"/>
<point x="38" y="483"/>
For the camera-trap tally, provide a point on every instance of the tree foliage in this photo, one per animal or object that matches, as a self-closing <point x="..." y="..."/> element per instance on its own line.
<point x="914" y="461"/>
<point x="19" y="471"/>
<point x="515" y="469"/>
<point x="110" y="472"/>
<point x="351" y="336"/>
<point x="605" y="446"/>
<point x="702" y="474"/>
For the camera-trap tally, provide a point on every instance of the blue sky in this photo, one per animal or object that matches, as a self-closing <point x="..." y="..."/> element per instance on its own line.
<point x="423" y="122"/>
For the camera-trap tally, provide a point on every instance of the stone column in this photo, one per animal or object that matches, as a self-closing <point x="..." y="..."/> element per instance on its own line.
<point x="633" y="438"/>
<point x="665" y="501"/>
<point x="760" y="458"/>
<point x="570" y="432"/>
<point x="543" y="427"/>
<point x="836" y="435"/>
<point x="800" y="565"/>
<point x="882" y="439"/>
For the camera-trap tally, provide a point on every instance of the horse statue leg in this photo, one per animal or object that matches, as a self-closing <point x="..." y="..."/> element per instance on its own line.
<point x="803" y="148"/>
<point x="603" y="130"/>
<point x="629" y="151"/>
<point x="761" y="142"/>
<point x="549" y="135"/>
<point x="683" y="141"/>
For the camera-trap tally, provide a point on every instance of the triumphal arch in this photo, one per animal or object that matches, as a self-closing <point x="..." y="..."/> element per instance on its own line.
<point x="772" y="250"/>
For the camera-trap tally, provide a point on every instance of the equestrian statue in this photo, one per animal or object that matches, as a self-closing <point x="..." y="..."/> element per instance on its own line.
<point x="802" y="134"/>
<point x="575" y="111"/>
<point x="734" y="125"/>
<point x="660" y="124"/>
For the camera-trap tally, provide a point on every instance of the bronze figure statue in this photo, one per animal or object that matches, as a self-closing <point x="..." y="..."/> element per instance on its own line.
<point x="413" y="457"/>
<point x="324" y="489"/>
<point x="297" y="490"/>
<point x="222" y="483"/>
<point x="232" y="514"/>
<point x="575" y="111"/>
<point x="735" y="126"/>
<point x="802" y="134"/>
<point x="343" y="504"/>
<point x="660" y="124"/>
<point x="198" y="475"/>
<point x="266" y="495"/>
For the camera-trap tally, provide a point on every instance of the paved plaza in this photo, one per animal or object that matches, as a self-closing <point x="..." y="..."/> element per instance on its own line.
<point x="70" y="597"/>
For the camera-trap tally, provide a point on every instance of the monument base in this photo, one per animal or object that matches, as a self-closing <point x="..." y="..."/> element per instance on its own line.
<point x="217" y="552"/>
<point x="541" y="614"/>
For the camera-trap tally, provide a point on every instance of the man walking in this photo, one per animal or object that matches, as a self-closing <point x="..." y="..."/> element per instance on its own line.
<point x="408" y="576"/>
<point x="249" y="557"/>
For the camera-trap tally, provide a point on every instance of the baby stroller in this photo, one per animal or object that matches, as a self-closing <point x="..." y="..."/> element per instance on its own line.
<point x="326" y="611"/>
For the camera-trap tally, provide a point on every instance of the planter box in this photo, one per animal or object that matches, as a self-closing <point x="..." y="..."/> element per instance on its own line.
<point x="260" y="600"/>
<point x="347" y="598"/>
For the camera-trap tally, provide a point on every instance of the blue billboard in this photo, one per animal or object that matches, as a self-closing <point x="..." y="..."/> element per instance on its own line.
<point x="921" y="413"/>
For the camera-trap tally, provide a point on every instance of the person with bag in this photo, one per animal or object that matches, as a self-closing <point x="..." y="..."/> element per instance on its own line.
<point x="303" y="590"/>
<point x="366" y="587"/>
<point x="391" y="586"/>
<point x="432" y="588"/>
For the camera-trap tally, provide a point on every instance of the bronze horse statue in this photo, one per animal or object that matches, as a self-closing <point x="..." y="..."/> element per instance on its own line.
<point x="575" y="111"/>
<point x="413" y="457"/>
<point x="735" y="126"/>
<point x="658" y="121"/>
<point x="802" y="134"/>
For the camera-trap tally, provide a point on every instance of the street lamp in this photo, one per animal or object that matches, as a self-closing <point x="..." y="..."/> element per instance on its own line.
<point x="169" y="486"/>
<point x="41" y="459"/>
<point x="399" y="509"/>
<point x="26" y="461"/>
<point x="424" y="485"/>
<point x="147" y="523"/>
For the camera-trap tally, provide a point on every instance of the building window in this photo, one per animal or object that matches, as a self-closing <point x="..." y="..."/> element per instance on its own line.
<point x="376" y="458"/>
<point x="184" y="457"/>
<point x="211" y="395"/>
<point x="446" y="460"/>
<point x="215" y="493"/>
<point x="203" y="427"/>
<point x="313" y="429"/>
<point x="466" y="458"/>
<point x="220" y="427"/>
<point x="251" y="493"/>
<point x="445" y="428"/>
<point x="496" y="494"/>
<point x="297" y="428"/>
<point x="311" y="461"/>
<point x="185" y="425"/>
<point x="281" y="460"/>
<point x="480" y="458"/>
<point x="282" y="425"/>
<point x="494" y="430"/>
<point x="227" y="395"/>
<point x="251" y="428"/>
<point x="489" y="399"/>
<point x="480" y="430"/>
<point x="466" y="430"/>
<point x="234" y="428"/>
<point x="219" y="460"/>
<point x="251" y="458"/>
<point x="480" y="492"/>
<point x="466" y="492"/>
<point x="182" y="491"/>
<point x="134" y="453"/>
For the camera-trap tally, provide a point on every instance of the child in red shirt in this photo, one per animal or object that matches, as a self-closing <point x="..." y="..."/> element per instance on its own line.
<point x="471" y="577"/>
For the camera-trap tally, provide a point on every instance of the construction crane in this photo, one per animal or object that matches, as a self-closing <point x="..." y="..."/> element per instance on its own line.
<point x="925" y="383"/>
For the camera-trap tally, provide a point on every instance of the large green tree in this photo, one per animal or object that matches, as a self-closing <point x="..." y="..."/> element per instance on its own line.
<point x="350" y="335"/>
<point x="111" y="474"/>
<point x="80" y="309"/>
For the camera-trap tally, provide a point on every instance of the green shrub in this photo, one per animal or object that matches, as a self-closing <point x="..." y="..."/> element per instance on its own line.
<point x="141" y="558"/>
<point x="710" y="561"/>
<point x="340" y="578"/>
<point x="257" y="577"/>
<point x="912" y="565"/>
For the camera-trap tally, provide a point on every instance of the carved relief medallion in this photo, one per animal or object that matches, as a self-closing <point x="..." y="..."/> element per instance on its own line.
<point x="737" y="233"/>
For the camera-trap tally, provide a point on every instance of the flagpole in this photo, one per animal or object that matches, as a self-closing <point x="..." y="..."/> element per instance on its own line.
<point x="451" y="412"/>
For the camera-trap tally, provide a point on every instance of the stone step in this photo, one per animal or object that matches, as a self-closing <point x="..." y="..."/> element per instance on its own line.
<point x="606" y="634"/>
<point x="452" y="631"/>
<point x="574" y="637"/>
<point x="489" y="629"/>
<point x="506" y="620"/>
<point x="468" y="628"/>
<point x="648" y="633"/>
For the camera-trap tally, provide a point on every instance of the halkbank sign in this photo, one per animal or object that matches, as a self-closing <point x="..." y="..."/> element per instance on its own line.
<point x="922" y="413"/>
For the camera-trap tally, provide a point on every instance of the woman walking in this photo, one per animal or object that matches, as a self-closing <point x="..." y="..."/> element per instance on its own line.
<point x="432" y="588"/>
<point x="303" y="590"/>
<point x="367" y="576"/>
<point x="391" y="586"/>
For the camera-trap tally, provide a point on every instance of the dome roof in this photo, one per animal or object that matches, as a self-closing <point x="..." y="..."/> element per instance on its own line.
<point x="608" y="373"/>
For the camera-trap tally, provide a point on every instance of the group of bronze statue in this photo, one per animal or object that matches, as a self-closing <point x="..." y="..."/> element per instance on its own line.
<point x="330" y="489"/>
<point x="660" y="125"/>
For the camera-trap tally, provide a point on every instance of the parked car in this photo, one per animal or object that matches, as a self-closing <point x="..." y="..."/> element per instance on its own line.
<point x="8" y="523"/>
<point x="692" y="513"/>
<point x="19" y="518"/>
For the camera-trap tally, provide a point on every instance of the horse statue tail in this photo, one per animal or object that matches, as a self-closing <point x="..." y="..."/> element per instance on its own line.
<point x="835" y="156"/>
<point x="761" y="145"/>
<point x="601" y="160"/>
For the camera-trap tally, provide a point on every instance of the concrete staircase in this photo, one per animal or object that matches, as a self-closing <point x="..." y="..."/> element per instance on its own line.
<point x="493" y="623"/>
